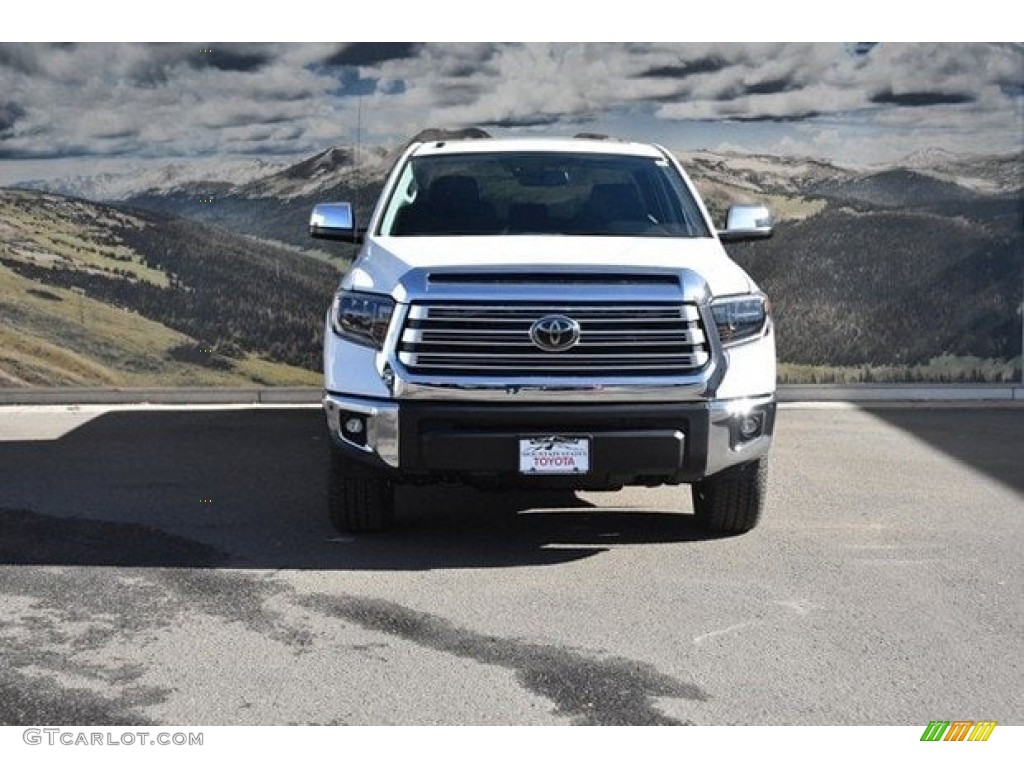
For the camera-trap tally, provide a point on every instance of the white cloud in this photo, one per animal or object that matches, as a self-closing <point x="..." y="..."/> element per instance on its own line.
<point x="177" y="100"/>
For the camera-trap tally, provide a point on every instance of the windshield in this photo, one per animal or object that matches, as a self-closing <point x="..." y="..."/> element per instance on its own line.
<point x="549" y="193"/>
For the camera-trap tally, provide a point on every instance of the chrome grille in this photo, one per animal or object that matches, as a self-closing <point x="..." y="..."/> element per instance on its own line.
<point x="493" y="339"/>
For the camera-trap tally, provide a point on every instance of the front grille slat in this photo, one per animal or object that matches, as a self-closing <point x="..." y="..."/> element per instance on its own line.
<point x="605" y="346"/>
<point x="652" y="369"/>
<point x="472" y="311"/>
<point x="529" y="359"/>
<point x="425" y="339"/>
<point x="493" y="339"/>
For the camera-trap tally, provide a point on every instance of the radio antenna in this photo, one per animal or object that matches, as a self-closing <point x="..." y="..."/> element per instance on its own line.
<point x="355" y="157"/>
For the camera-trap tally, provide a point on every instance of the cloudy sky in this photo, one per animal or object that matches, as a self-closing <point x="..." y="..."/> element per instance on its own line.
<point x="82" y="106"/>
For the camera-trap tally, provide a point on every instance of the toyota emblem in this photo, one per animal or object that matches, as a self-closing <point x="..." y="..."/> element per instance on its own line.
<point x="555" y="333"/>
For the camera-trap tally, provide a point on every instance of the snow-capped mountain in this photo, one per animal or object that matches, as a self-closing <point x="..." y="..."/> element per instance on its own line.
<point x="139" y="179"/>
<point x="761" y="173"/>
<point x="985" y="174"/>
<point x="328" y="170"/>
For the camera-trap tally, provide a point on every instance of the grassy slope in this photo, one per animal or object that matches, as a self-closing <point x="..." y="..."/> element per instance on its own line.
<point x="52" y="336"/>
<point x="47" y="230"/>
<point x="72" y="340"/>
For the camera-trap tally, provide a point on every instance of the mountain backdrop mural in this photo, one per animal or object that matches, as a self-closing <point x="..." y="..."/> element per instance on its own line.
<point x="901" y="260"/>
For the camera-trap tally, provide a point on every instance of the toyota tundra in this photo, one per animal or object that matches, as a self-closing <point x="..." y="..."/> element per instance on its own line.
<point x="546" y="313"/>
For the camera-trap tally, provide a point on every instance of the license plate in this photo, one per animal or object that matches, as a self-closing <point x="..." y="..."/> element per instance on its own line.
<point x="554" y="455"/>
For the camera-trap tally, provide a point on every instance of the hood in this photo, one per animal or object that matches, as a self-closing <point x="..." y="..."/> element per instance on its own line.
<point x="385" y="261"/>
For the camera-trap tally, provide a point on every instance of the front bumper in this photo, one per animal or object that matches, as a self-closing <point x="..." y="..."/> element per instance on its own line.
<point x="631" y="443"/>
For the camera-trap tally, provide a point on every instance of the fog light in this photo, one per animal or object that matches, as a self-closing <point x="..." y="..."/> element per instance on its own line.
<point x="750" y="425"/>
<point x="353" y="428"/>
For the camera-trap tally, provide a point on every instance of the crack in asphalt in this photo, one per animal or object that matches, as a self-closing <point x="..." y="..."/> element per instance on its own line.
<point x="612" y="691"/>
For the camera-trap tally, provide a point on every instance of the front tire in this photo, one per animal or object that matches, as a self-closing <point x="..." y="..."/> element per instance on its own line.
<point x="732" y="501"/>
<point x="358" y="501"/>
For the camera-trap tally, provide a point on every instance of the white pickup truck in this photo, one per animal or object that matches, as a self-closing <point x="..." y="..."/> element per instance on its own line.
<point x="546" y="313"/>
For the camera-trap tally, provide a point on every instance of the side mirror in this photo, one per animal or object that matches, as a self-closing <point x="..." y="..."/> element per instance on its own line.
<point x="334" y="221"/>
<point x="747" y="222"/>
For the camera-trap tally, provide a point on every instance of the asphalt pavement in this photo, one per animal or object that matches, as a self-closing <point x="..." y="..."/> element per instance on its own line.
<point x="163" y="566"/>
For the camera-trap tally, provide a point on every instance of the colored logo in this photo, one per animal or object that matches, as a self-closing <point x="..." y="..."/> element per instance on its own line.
<point x="958" y="730"/>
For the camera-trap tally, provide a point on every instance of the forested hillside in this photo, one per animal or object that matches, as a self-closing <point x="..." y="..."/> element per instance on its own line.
<point x="223" y="308"/>
<point x="886" y="271"/>
<point x="882" y="287"/>
<point x="882" y="269"/>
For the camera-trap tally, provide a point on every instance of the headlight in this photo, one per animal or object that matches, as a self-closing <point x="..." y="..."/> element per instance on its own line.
<point x="740" y="318"/>
<point x="362" y="318"/>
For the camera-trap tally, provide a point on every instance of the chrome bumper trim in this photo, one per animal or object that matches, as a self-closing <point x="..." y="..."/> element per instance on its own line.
<point x="542" y="390"/>
<point x="722" y="452"/>
<point x="381" y="424"/>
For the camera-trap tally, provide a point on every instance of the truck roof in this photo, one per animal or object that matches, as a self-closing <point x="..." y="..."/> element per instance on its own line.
<point x="595" y="146"/>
